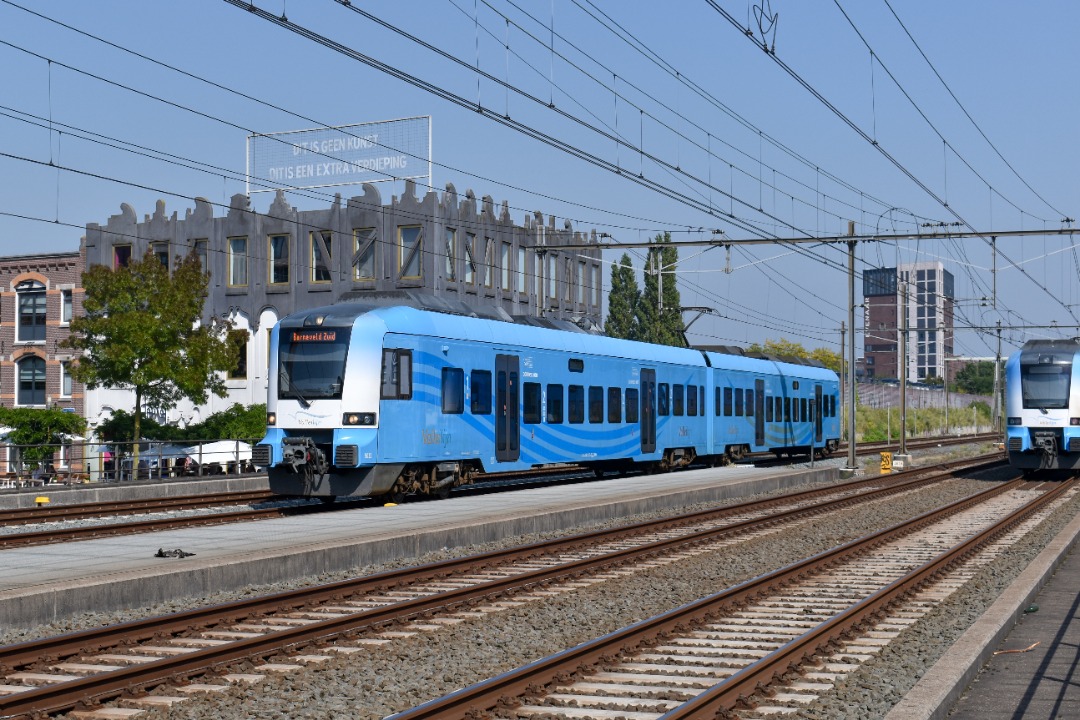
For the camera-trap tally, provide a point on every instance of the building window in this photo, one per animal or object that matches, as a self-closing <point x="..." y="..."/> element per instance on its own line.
<point x="239" y="339"/>
<point x="553" y="287"/>
<point x="161" y="252"/>
<point x="320" y="263"/>
<point x="581" y="283"/>
<point x="65" y="379"/>
<point x="489" y="262"/>
<point x="505" y="258"/>
<point x="31" y="381"/>
<point x="451" y="254"/>
<point x="410" y="251"/>
<point x="200" y="252"/>
<point x="238" y="262"/>
<point x="567" y="277"/>
<point x="364" y="254"/>
<point x="521" y="270"/>
<point x="279" y="259"/>
<point x="31" y="311"/>
<point x="121" y="256"/>
<point x="67" y="307"/>
<point x="470" y="261"/>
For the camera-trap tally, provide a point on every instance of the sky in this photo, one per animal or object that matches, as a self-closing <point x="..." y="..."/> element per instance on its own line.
<point x="626" y="118"/>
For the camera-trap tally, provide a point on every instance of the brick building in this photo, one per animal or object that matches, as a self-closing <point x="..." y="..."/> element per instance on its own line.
<point x="929" y="311"/>
<point x="39" y="295"/>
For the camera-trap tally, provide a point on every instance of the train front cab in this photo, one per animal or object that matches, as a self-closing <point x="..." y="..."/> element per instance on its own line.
<point x="1043" y="407"/>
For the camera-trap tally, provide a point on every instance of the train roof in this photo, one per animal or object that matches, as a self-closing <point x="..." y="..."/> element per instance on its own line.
<point x="554" y="335"/>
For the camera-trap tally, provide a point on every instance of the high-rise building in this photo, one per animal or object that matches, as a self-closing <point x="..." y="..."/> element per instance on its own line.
<point x="922" y="291"/>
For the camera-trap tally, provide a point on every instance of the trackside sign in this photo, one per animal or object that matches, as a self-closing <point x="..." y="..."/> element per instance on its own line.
<point x="345" y="155"/>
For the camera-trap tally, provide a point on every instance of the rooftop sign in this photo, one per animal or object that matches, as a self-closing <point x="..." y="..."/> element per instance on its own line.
<point x="345" y="155"/>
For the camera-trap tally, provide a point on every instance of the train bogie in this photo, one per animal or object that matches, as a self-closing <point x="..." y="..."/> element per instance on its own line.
<point x="394" y="401"/>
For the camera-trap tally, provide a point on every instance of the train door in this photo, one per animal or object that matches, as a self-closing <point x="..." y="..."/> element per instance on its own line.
<point x="817" y="414"/>
<point x="507" y="428"/>
<point x="648" y="411"/>
<point x="759" y="412"/>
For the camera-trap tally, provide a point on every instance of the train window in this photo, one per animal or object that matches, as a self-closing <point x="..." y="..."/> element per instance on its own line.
<point x="727" y="402"/>
<point x="530" y="401"/>
<point x="554" y="404"/>
<point x="596" y="404"/>
<point x="802" y="410"/>
<point x="787" y="409"/>
<point x="779" y="402"/>
<point x="718" y="402"/>
<point x="663" y="400"/>
<point x="631" y="405"/>
<point x="795" y="410"/>
<point x="768" y="410"/>
<point x="749" y="403"/>
<point x="795" y="385"/>
<point x="738" y="402"/>
<point x="576" y="402"/>
<point x="576" y="365"/>
<point x="691" y="400"/>
<point x="677" y="399"/>
<point x="397" y="374"/>
<point x="614" y="405"/>
<point x="832" y="406"/>
<point x="701" y="399"/>
<point x="453" y="391"/>
<point x="480" y="392"/>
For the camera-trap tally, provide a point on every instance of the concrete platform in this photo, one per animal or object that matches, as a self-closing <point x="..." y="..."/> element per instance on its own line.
<point x="19" y="498"/>
<point x="48" y="583"/>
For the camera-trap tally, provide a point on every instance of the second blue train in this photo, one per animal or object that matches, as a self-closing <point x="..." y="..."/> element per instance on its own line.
<point x="393" y="401"/>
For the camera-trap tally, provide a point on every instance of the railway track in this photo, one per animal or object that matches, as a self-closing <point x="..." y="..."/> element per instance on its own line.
<point x="265" y="634"/>
<point x="79" y="511"/>
<point x="770" y="645"/>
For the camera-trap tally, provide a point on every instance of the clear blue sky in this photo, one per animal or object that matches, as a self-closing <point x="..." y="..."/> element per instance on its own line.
<point x="677" y="81"/>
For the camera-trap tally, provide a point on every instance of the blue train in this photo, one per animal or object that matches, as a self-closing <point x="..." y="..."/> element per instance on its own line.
<point x="1042" y="405"/>
<point x="392" y="401"/>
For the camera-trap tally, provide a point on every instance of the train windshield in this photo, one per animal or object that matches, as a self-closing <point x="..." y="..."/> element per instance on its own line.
<point x="312" y="363"/>
<point x="1045" y="385"/>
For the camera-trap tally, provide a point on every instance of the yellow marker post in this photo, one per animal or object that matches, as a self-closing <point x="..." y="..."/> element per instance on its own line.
<point x="41" y="500"/>
<point x="886" y="462"/>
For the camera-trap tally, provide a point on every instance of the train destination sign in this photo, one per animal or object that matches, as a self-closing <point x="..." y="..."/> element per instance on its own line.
<point x="345" y="155"/>
<point x="310" y="336"/>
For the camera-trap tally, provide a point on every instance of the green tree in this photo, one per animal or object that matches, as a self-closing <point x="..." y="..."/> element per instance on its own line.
<point x="622" y="321"/>
<point x="40" y="431"/>
<point x="142" y="331"/>
<point x="656" y="325"/>
<point x="976" y="378"/>
<point x="787" y="348"/>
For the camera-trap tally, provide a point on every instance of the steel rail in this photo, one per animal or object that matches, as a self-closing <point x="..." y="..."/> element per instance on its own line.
<point x="106" y="685"/>
<point x="80" y="511"/>
<point x="502" y="691"/>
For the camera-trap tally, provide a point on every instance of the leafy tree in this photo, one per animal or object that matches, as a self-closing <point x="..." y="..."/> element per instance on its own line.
<point x="976" y="378"/>
<point x="236" y="423"/>
<point x="39" y="431"/>
<point x="664" y="327"/>
<point x="622" y="321"/>
<point x="142" y="331"/>
<point x="786" y="348"/>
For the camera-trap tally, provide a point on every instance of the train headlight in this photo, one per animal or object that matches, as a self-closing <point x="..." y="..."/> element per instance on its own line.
<point x="358" y="418"/>
<point x="271" y="419"/>
<point x="1074" y="421"/>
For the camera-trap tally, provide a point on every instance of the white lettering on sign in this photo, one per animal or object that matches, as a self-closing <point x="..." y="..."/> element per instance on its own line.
<point x="352" y="154"/>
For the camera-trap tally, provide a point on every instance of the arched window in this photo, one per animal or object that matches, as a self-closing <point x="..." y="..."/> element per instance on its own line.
<point x="31" y="295"/>
<point x="31" y="381"/>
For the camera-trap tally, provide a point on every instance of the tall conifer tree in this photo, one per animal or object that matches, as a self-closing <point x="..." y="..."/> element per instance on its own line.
<point x="622" y="301"/>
